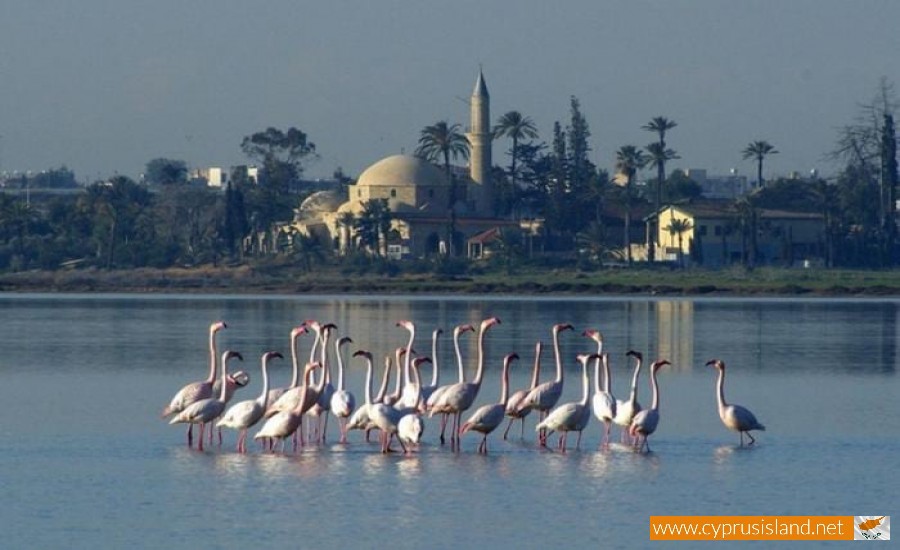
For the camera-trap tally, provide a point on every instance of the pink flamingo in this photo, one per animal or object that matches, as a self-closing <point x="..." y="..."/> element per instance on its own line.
<point x="625" y="410"/>
<point x="195" y="391"/>
<point x="735" y="417"/>
<point x="513" y="410"/>
<point x="207" y="410"/>
<point x="322" y="405"/>
<point x="545" y="396"/>
<point x="571" y="417"/>
<point x="286" y="423"/>
<point x="243" y="415"/>
<point x="459" y="397"/>
<point x="438" y="393"/>
<point x="645" y="421"/>
<point x="486" y="418"/>
<point x="603" y="403"/>
<point x="342" y="401"/>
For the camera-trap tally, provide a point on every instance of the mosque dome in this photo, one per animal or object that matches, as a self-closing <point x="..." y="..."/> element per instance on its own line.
<point x="402" y="170"/>
<point x="322" y="201"/>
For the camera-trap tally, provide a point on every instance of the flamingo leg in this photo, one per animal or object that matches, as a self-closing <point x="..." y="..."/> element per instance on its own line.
<point x="508" y="426"/>
<point x="578" y="441"/>
<point x="522" y="424"/>
<point x="443" y="426"/>
<point x="200" y="439"/>
<point x="190" y="435"/>
<point x="752" y="440"/>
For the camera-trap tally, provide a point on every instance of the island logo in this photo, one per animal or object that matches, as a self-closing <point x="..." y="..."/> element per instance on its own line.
<point x="872" y="527"/>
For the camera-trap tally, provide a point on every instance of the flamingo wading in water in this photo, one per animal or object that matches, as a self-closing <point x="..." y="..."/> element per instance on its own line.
<point x="514" y="410"/>
<point x="486" y="418"/>
<point x="206" y="410"/>
<point x="735" y="417"/>
<point x="625" y="410"/>
<point x="571" y="417"/>
<point x="545" y="396"/>
<point x="243" y="415"/>
<point x="645" y="421"/>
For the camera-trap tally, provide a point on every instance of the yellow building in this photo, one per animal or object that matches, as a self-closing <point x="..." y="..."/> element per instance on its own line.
<point x="711" y="234"/>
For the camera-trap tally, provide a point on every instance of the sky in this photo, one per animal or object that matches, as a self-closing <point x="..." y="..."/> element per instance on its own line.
<point x="103" y="86"/>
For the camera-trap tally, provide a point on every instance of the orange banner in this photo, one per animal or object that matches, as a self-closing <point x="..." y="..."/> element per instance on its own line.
<point x="751" y="527"/>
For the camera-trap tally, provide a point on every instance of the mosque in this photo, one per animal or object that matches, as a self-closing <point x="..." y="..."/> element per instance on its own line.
<point x="418" y="196"/>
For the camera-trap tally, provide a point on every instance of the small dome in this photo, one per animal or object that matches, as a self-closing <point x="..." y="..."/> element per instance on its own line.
<point x="400" y="170"/>
<point x="322" y="201"/>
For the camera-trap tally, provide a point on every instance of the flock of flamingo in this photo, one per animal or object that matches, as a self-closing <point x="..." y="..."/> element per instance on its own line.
<point x="400" y="414"/>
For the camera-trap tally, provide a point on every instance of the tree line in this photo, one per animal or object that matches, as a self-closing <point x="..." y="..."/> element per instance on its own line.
<point x="161" y="221"/>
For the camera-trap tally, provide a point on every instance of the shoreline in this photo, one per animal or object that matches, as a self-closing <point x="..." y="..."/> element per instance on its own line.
<point x="618" y="282"/>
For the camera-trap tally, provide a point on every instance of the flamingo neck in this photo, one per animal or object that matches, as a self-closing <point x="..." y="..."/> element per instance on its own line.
<point x="213" y="355"/>
<point x="408" y="359"/>
<point x="585" y="383"/>
<point x="557" y="355"/>
<point x="368" y="391"/>
<point x="398" y="383"/>
<point x="537" y="365"/>
<point x="720" y="390"/>
<point x="479" y="372"/>
<point x="418" y="382"/>
<point x="340" y="365"/>
<point x="295" y="361"/>
<point x="597" y="376"/>
<point x="264" y="396"/>
<point x="326" y="368"/>
<point x="504" y="384"/>
<point x="634" y="379"/>
<point x="224" y="391"/>
<point x="655" y="386"/>
<point x="384" y="380"/>
<point x="606" y="378"/>
<point x="459" y="359"/>
<point x="435" y="372"/>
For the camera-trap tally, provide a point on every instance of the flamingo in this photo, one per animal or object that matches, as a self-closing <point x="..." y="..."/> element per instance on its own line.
<point x="206" y="410"/>
<point x="735" y="417"/>
<point x="603" y="403"/>
<point x="545" y="396"/>
<point x="625" y="410"/>
<point x="276" y="393"/>
<point x="426" y="391"/>
<point x="285" y="423"/>
<point x="410" y="427"/>
<point x="384" y="416"/>
<point x="342" y="401"/>
<point x="359" y="420"/>
<point x="459" y="397"/>
<point x="570" y="417"/>
<point x="233" y="382"/>
<point x="645" y="421"/>
<point x="486" y="418"/>
<point x="243" y="415"/>
<point x="195" y="391"/>
<point x="437" y="394"/>
<point x="513" y="410"/>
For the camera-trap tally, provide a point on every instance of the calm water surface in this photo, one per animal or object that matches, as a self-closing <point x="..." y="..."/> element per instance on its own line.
<point x="86" y="461"/>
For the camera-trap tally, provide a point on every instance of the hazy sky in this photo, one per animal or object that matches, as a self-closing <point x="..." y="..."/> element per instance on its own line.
<point x="103" y="86"/>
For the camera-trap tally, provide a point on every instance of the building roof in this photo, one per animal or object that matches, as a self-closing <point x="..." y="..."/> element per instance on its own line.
<point x="726" y="209"/>
<point x="322" y="201"/>
<point x="486" y="236"/>
<point x="402" y="170"/>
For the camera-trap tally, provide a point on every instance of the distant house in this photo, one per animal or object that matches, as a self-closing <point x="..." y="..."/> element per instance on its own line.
<point x="715" y="234"/>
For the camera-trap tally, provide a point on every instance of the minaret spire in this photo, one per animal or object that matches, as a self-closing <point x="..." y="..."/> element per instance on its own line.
<point x="480" y="141"/>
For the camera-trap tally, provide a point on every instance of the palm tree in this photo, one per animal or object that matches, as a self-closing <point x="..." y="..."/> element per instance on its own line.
<point x="658" y="157"/>
<point x="629" y="159"/>
<point x="758" y="150"/>
<point x="678" y="228"/>
<point x="443" y="141"/>
<point x="516" y="127"/>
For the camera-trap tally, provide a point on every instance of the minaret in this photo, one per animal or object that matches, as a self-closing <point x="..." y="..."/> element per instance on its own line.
<point x="480" y="140"/>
